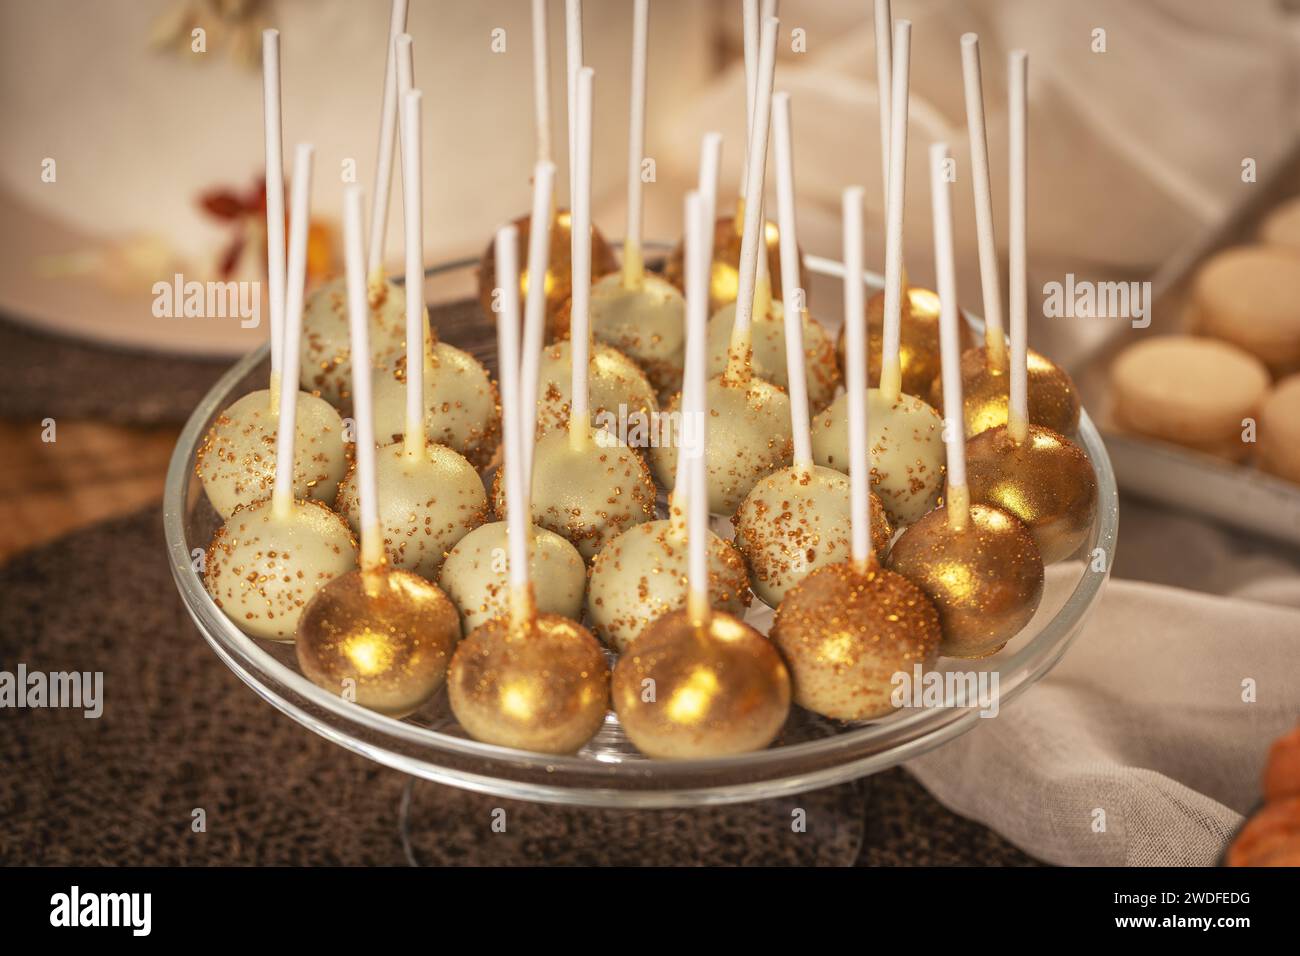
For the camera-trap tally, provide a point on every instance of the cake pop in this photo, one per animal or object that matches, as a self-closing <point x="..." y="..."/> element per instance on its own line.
<point x="906" y="438"/>
<point x="978" y="564"/>
<point x="472" y="573"/>
<point x="430" y="496"/>
<point x="640" y="314"/>
<point x="1053" y="398"/>
<point x="586" y="485"/>
<point x="618" y="389"/>
<point x="717" y="686"/>
<point x="1032" y="472"/>
<point x="326" y="353"/>
<point x="236" y="461"/>
<point x="846" y="629"/>
<point x="526" y="680"/>
<point x="641" y="575"/>
<point x="796" y="519"/>
<point x="557" y="282"/>
<point x="380" y="635"/>
<point x="269" y="558"/>
<point x="918" y="327"/>
<point x="727" y="238"/>
<point x="749" y="434"/>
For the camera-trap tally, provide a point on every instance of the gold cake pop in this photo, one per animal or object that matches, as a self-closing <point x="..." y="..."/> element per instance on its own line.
<point x="979" y="565"/>
<point x="1030" y="471"/>
<point x="524" y="680"/>
<point x="1044" y="480"/>
<point x="381" y="634"/>
<point x="846" y="629"/>
<point x="918" y="341"/>
<point x="698" y="683"/>
<point x="724" y="277"/>
<point x="559" y="272"/>
<point x="1053" y="398"/>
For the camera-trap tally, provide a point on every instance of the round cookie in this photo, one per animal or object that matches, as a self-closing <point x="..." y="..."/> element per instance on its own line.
<point x="475" y="575"/>
<point x="1188" y="390"/>
<point x="1279" y="431"/>
<point x="462" y="410"/>
<point x="1250" y="296"/>
<point x="768" y="351"/>
<point x="236" y="462"/>
<point x="1282" y="227"/>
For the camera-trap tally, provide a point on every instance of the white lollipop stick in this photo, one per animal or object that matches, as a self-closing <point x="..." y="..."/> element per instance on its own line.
<point x="580" y="253"/>
<point x="793" y="294"/>
<point x="387" y="135"/>
<point x="884" y="69"/>
<point x="855" y="323"/>
<point x="750" y="26"/>
<point x="950" y="345"/>
<point x="633" y="257"/>
<point x="413" y="201"/>
<point x="274" y="207"/>
<point x="542" y="83"/>
<point x="891" y="373"/>
<point x="573" y="53"/>
<point x="990" y="283"/>
<point x="282" y="490"/>
<point x="1018" y="413"/>
<point x="738" y="364"/>
<point x="698" y="226"/>
<point x="518" y="521"/>
<point x="372" y="539"/>
<point x="403" y="44"/>
<point x="539" y="252"/>
<point x="710" y="161"/>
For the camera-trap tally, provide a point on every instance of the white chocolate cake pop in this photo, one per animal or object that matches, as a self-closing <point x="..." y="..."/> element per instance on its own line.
<point x="474" y="575"/>
<point x="641" y="315"/>
<point x="236" y="462"/>
<point x="269" y="558"/>
<point x="430" y="496"/>
<point x="768" y="355"/>
<point x="749" y="417"/>
<point x="327" y="355"/>
<point x="586" y="484"/>
<point x="798" y="518"/>
<point x="619" y="390"/>
<point x="906" y="434"/>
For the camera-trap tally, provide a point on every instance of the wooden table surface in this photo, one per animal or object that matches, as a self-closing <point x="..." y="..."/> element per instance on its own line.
<point x="91" y="471"/>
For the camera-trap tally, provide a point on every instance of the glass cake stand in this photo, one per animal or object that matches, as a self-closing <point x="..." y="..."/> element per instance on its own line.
<point x="810" y="753"/>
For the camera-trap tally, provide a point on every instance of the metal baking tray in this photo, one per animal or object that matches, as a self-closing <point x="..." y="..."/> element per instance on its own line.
<point x="1239" y="495"/>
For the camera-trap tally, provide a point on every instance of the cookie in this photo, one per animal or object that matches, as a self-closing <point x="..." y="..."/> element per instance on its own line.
<point x="1279" y="431"/>
<point x="1188" y="390"/>
<point x="1282" y="227"/>
<point x="1250" y="296"/>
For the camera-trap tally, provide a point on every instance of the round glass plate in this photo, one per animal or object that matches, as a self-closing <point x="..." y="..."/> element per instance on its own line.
<point x="811" y="752"/>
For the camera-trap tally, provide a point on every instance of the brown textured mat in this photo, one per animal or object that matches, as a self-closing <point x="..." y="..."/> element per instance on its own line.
<point x="179" y="732"/>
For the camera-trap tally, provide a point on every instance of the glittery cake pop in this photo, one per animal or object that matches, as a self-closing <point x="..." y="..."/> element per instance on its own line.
<point x="642" y="574"/>
<point x="430" y="496"/>
<point x="1030" y="471"/>
<point x="269" y="558"/>
<point x="1053" y="398"/>
<point x="718" y="686"/>
<point x="906" y="438"/>
<point x="379" y="635"/>
<point x="526" y="680"/>
<point x="978" y="564"/>
<point x="236" y="462"/>
<point x="798" y="518"/>
<point x="474" y="574"/>
<point x="557" y="283"/>
<point x="749" y="418"/>
<point x="846" y="629"/>
<point x="586" y="484"/>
